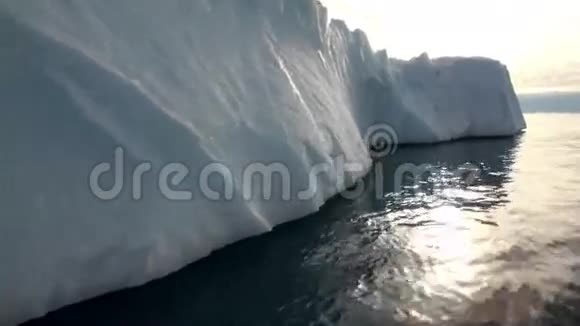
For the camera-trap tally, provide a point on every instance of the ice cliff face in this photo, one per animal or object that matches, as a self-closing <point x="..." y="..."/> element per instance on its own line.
<point x="223" y="83"/>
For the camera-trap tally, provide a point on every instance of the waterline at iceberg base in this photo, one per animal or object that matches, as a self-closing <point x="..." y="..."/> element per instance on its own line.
<point x="194" y="82"/>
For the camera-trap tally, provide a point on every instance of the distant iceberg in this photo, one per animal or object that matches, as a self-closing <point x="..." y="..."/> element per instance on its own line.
<point x="203" y="85"/>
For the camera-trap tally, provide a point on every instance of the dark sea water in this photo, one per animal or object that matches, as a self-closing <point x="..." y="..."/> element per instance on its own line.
<point x="499" y="245"/>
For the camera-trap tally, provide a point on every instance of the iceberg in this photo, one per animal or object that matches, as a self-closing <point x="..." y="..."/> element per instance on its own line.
<point x="128" y="129"/>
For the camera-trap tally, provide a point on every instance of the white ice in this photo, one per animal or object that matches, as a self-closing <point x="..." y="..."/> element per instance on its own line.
<point x="195" y="82"/>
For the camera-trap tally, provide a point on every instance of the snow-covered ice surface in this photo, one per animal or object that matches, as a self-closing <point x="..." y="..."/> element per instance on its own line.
<point x="196" y="82"/>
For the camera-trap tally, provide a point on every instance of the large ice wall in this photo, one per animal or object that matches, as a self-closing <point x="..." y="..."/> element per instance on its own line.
<point x="234" y="82"/>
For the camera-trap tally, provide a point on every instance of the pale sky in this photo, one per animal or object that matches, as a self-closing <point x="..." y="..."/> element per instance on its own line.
<point x="539" y="40"/>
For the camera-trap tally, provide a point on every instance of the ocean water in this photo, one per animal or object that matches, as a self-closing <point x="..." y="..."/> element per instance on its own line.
<point x="487" y="234"/>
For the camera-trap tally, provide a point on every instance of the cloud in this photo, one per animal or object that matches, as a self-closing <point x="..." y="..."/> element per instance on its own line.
<point x="563" y="77"/>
